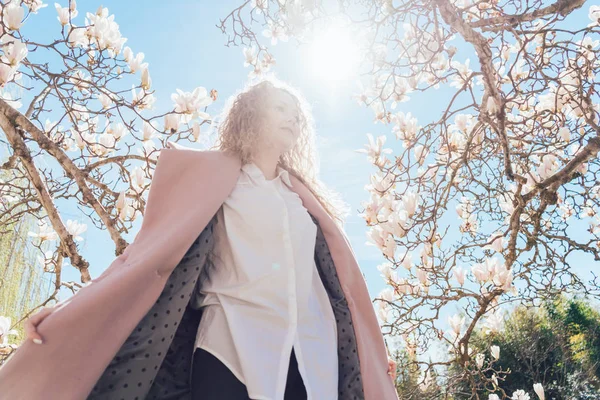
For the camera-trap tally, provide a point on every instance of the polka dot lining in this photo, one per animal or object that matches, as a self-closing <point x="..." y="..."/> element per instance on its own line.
<point x="155" y="360"/>
<point x="349" y="377"/>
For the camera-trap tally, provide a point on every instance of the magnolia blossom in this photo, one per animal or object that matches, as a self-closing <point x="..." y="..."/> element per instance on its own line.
<point x="380" y="183"/>
<point x="456" y="322"/>
<point x="137" y="179"/>
<point x="196" y="130"/>
<point x="495" y="350"/>
<point x="189" y="104"/>
<point x="497" y="242"/>
<point x="397" y="223"/>
<point x="149" y="131"/>
<point x="493" y="397"/>
<point x="15" y="51"/>
<point x="421" y="154"/>
<point x="7" y="73"/>
<point x="45" y="231"/>
<point x="463" y="73"/>
<point x="141" y="99"/>
<point x="539" y="390"/>
<point x="422" y="276"/>
<point x="459" y="275"/>
<point x="548" y="166"/>
<point x="385" y="269"/>
<point x="374" y="150"/>
<point x="104" y="31"/>
<point x="172" y="122"/>
<point x="520" y="395"/>
<point x="5" y="330"/>
<point x="372" y="209"/>
<point x="12" y="15"/>
<point x="387" y="294"/>
<point x="275" y="31"/>
<point x="249" y="56"/>
<point x="34" y="5"/>
<point x="135" y="63"/>
<point x="406" y="261"/>
<point x="410" y="201"/>
<point x="105" y="100"/>
<point x="406" y="127"/>
<point x="146" y="80"/>
<point x="479" y="360"/>
<point x="63" y="13"/>
<point x="594" y="15"/>
<point x="493" y="322"/>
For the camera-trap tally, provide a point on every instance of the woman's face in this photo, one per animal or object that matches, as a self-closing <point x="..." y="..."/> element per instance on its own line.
<point x="280" y="128"/>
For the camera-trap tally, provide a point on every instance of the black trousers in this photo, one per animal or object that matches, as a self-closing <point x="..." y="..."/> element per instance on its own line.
<point x="212" y="380"/>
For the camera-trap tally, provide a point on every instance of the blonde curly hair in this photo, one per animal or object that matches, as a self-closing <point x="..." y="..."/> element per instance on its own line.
<point x="239" y="132"/>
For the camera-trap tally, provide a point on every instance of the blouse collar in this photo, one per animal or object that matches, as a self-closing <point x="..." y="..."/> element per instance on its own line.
<point x="255" y="172"/>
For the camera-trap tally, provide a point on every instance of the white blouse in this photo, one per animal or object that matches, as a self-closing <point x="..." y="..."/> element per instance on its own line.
<point x="265" y="294"/>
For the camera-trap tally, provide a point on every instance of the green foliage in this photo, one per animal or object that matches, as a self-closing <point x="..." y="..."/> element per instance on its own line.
<point x="557" y="345"/>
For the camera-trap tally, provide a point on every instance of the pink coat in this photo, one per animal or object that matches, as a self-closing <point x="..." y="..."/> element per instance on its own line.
<point x="85" y="332"/>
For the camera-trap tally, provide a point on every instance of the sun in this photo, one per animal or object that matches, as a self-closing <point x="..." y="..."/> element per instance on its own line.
<point x="333" y="54"/>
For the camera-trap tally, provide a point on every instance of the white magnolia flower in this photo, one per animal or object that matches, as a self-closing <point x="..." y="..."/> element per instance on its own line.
<point x="493" y="397"/>
<point x="459" y="275"/>
<point x="45" y="231"/>
<point x="497" y="242"/>
<point x="196" y="130"/>
<point x="410" y="201"/>
<point x="421" y="153"/>
<point x="34" y="5"/>
<point x="189" y="104"/>
<point x="141" y="99"/>
<point x="249" y="56"/>
<point x="146" y="80"/>
<point x="172" y="121"/>
<point x="75" y="229"/>
<point x="493" y="322"/>
<point x="275" y="32"/>
<point x="5" y="330"/>
<point x="63" y="13"/>
<point x="520" y="395"/>
<point x="105" y="100"/>
<point x="137" y="179"/>
<point x="456" y="322"/>
<point x="386" y="270"/>
<point x="594" y="15"/>
<point x="539" y="390"/>
<point x="479" y="359"/>
<point x="15" y="51"/>
<point x="374" y="150"/>
<point x="495" y="350"/>
<point x="7" y="73"/>
<point x="148" y="131"/>
<point x="135" y="63"/>
<point x="127" y="54"/>
<point x="12" y="15"/>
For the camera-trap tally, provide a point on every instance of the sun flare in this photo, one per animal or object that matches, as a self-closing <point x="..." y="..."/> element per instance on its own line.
<point x="333" y="54"/>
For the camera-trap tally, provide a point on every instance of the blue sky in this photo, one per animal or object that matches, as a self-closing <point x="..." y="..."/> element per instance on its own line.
<point x="185" y="49"/>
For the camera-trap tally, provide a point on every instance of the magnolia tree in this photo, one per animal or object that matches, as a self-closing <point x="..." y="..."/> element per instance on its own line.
<point x="474" y="210"/>
<point x="77" y="120"/>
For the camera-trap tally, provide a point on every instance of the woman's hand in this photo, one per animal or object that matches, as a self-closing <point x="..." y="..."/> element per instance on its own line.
<point x="30" y="324"/>
<point x="392" y="368"/>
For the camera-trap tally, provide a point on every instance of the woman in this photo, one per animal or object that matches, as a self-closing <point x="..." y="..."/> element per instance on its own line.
<point x="279" y="309"/>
